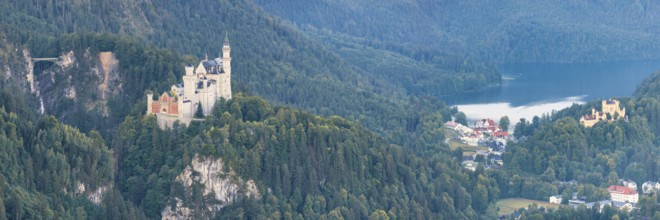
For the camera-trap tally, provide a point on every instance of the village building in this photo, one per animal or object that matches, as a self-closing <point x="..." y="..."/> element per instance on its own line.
<point x="501" y="134"/>
<point x="473" y="138"/>
<point x="650" y="187"/>
<point x="610" y="108"/>
<point x="599" y="204"/>
<point x="623" y="194"/>
<point x="470" y="165"/>
<point x="486" y="126"/>
<point x="202" y="86"/>
<point x="451" y="125"/>
<point x="555" y="199"/>
<point x="629" y="183"/>
<point x="623" y="206"/>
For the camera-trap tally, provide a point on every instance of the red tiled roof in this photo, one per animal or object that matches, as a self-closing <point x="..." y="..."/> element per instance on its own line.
<point x="501" y="133"/>
<point x="621" y="190"/>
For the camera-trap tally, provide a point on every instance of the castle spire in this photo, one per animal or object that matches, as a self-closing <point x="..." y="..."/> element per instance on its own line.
<point x="226" y="44"/>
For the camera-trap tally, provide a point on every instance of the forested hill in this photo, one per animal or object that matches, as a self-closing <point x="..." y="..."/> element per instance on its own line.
<point x="53" y="171"/>
<point x="497" y="31"/>
<point x="555" y="150"/>
<point x="304" y="166"/>
<point x="270" y="58"/>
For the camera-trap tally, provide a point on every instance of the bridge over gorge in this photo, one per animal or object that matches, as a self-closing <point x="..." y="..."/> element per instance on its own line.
<point x="51" y="59"/>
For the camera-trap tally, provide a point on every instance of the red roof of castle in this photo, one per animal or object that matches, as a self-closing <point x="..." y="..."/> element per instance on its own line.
<point x="621" y="190"/>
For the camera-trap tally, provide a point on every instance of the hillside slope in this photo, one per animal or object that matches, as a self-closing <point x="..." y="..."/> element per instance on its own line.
<point x="51" y="170"/>
<point x="495" y="31"/>
<point x="286" y="163"/>
<point x="270" y="58"/>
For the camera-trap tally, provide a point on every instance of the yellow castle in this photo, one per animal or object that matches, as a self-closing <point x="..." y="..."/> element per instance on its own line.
<point x="610" y="107"/>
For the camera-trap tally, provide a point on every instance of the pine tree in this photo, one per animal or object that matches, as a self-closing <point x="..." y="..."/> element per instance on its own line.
<point x="199" y="113"/>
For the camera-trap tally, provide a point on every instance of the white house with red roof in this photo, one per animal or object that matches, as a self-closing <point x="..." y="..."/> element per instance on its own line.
<point x="623" y="194"/>
<point x="473" y="138"/>
<point x="451" y="125"/>
<point x="486" y="126"/>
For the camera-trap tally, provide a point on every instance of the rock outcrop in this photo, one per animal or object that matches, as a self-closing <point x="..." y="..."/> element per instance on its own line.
<point x="220" y="184"/>
<point x="96" y="196"/>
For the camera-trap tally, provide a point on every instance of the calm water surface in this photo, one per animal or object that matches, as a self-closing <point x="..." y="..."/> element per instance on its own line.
<point x="533" y="89"/>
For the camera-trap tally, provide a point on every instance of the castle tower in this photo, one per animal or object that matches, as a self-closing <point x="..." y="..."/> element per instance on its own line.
<point x="190" y="69"/>
<point x="150" y="101"/>
<point x="189" y="86"/>
<point x="224" y="85"/>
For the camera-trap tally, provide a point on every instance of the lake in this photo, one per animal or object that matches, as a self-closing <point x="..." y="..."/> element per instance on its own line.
<point x="534" y="89"/>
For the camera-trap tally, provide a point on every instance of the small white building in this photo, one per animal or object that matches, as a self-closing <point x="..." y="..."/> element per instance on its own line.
<point x="556" y="199"/>
<point x="470" y="165"/>
<point x="463" y="129"/>
<point x="630" y="184"/>
<point x="599" y="204"/>
<point x="472" y="139"/>
<point x="623" y="206"/>
<point x="650" y="187"/>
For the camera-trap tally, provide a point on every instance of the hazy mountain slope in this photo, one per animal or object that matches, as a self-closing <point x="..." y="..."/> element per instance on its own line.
<point x="270" y="58"/>
<point x="500" y="31"/>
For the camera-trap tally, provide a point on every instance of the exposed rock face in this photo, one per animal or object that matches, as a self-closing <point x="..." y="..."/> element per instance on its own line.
<point x="30" y="71"/>
<point x="66" y="59"/>
<point x="108" y="64"/>
<point x="34" y="86"/>
<point x="220" y="184"/>
<point x="84" y="79"/>
<point x="95" y="197"/>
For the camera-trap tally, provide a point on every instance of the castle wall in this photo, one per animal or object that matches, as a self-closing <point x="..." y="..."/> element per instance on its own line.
<point x="186" y="110"/>
<point x="167" y="121"/>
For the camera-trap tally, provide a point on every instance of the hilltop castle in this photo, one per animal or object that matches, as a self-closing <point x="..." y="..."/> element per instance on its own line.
<point x="610" y="107"/>
<point x="201" y="87"/>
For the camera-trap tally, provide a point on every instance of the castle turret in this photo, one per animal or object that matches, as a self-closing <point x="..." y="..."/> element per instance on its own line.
<point x="190" y="69"/>
<point x="226" y="49"/>
<point x="150" y="100"/>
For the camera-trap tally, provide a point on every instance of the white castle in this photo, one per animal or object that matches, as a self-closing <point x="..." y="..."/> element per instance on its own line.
<point x="202" y="86"/>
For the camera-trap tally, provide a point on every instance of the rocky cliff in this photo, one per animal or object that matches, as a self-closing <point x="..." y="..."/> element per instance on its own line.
<point x="77" y="87"/>
<point x="215" y="182"/>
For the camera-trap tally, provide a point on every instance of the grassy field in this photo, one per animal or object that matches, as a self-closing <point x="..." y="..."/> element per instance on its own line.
<point x="508" y="206"/>
<point x="453" y="145"/>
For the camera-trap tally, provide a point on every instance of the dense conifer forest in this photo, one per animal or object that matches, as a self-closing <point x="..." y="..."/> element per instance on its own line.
<point x="329" y="121"/>
<point x="498" y="31"/>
